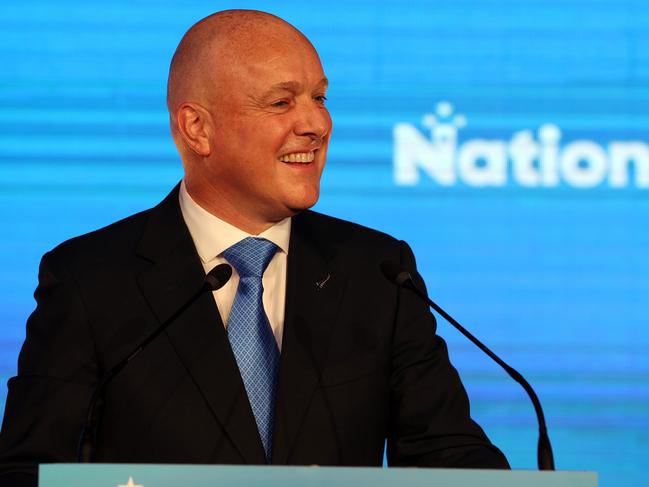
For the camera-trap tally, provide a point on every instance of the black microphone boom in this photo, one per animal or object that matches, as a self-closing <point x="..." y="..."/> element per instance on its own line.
<point x="215" y="279"/>
<point x="396" y="274"/>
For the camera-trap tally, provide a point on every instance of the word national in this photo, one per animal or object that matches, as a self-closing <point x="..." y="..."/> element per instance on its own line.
<point x="523" y="160"/>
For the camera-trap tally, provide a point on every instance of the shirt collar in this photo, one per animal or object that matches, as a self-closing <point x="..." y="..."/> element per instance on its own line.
<point x="212" y="235"/>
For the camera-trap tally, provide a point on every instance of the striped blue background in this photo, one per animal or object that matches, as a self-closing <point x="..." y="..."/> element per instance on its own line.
<point x="554" y="279"/>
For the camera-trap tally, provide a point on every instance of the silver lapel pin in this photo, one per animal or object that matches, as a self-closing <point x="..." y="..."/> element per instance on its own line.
<point x="319" y="285"/>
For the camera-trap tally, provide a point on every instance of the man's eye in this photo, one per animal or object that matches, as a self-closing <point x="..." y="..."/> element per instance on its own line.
<point x="321" y="99"/>
<point x="279" y="103"/>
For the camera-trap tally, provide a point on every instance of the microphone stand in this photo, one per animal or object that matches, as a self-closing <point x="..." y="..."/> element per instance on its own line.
<point x="215" y="279"/>
<point x="545" y="457"/>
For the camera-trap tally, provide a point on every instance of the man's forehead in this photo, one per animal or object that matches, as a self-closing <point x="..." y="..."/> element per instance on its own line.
<point x="295" y="86"/>
<point x="268" y="49"/>
<point x="237" y="47"/>
<point x="275" y="66"/>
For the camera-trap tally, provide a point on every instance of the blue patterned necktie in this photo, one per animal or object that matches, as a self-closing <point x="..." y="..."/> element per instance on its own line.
<point x="250" y="334"/>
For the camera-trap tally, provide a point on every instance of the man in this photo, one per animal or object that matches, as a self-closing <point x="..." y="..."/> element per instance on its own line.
<point x="335" y="360"/>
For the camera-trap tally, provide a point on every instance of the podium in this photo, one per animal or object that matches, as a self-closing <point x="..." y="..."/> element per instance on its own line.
<point x="135" y="475"/>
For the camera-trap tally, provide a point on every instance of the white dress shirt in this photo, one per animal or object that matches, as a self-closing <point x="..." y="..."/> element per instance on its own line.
<point x="212" y="236"/>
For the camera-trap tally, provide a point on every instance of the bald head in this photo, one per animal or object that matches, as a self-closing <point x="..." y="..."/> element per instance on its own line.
<point x="213" y="44"/>
<point x="246" y="99"/>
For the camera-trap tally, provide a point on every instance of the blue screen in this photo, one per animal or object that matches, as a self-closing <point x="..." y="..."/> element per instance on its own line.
<point x="506" y="141"/>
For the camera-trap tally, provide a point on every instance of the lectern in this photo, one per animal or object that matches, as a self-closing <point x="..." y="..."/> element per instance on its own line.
<point x="134" y="475"/>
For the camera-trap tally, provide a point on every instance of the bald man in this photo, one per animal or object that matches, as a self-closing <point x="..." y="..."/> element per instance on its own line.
<point x="358" y="361"/>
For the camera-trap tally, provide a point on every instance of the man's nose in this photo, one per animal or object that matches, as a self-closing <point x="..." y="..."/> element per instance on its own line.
<point x="313" y="120"/>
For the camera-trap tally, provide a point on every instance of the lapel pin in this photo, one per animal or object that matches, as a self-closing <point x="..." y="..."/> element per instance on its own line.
<point x="319" y="285"/>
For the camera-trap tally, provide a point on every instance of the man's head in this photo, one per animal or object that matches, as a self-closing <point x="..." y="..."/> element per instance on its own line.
<point x="246" y="100"/>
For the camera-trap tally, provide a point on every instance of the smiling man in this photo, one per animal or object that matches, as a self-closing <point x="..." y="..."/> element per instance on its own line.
<point x="246" y="96"/>
<point x="308" y="354"/>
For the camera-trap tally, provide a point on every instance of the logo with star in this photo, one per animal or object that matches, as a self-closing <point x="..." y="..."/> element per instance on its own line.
<point x="130" y="483"/>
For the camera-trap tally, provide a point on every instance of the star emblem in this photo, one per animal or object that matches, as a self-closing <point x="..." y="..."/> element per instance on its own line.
<point x="130" y="483"/>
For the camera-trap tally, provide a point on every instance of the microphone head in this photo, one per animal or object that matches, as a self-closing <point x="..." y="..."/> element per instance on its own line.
<point x="395" y="273"/>
<point x="217" y="277"/>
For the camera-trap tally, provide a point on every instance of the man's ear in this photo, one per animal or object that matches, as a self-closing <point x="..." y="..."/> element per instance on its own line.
<point x="194" y="124"/>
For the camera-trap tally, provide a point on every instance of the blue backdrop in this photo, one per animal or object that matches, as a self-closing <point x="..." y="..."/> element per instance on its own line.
<point x="505" y="140"/>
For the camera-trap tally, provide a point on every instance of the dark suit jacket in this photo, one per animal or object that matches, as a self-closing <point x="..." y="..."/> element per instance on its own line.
<point x="360" y="360"/>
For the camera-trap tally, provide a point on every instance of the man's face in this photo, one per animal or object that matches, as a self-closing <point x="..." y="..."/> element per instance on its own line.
<point x="271" y="130"/>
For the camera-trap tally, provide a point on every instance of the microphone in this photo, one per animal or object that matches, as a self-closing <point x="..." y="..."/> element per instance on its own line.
<point x="215" y="279"/>
<point x="402" y="278"/>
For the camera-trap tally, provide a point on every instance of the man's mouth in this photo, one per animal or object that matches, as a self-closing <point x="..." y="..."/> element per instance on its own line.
<point x="298" y="157"/>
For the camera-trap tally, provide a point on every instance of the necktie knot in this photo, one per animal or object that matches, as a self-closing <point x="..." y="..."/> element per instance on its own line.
<point x="250" y="256"/>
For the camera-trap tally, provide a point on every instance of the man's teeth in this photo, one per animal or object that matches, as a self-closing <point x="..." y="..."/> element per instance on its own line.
<point x="301" y="157"/>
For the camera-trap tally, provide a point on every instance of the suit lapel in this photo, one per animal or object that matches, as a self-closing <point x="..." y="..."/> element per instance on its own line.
<point x="313" y="294"/>
<point x="198" y="335"/>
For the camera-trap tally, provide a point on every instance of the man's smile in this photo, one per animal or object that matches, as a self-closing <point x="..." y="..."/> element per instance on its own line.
<point x="299" y="157"/>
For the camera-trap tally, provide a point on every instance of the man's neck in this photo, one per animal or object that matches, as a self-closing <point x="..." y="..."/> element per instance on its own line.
<point x="232" y="214"/>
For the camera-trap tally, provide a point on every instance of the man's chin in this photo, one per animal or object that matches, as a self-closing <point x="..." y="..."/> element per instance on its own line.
<point x="298" y="209"/>
<point x="294" y="203"/>
<point x="304" y="203"/>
